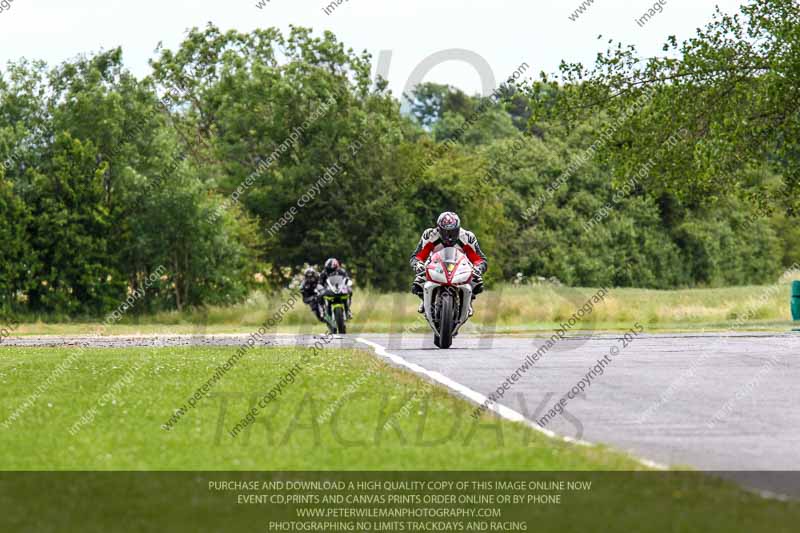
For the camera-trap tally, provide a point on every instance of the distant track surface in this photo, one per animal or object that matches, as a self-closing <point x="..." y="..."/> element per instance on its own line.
<point x="708" y="401"/>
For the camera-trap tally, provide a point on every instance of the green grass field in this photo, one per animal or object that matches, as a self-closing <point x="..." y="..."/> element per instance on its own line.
<point x="348" y="394"/>
<point x="126" y="432"/>
<point x="509" y="308"/>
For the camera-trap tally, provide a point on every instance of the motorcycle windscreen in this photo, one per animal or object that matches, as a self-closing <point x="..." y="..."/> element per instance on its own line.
<point x="337" y="282"/>
<point x="450" y="255"/>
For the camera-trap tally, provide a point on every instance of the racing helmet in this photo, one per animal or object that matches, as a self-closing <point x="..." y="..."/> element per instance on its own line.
<point x="331" y="265"/>
<point x="449" y="226"/>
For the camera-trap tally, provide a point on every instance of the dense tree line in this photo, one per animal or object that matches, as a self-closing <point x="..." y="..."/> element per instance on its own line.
<point x="245" y="156"/>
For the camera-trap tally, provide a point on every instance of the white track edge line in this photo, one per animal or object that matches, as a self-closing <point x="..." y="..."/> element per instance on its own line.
<point x="480" y="399"/>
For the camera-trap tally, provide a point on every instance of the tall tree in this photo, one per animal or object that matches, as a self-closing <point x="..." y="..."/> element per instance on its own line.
<point x="733" y="88"/>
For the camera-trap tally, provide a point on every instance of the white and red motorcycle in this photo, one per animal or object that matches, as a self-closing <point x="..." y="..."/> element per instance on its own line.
<point x="447" y="294"/>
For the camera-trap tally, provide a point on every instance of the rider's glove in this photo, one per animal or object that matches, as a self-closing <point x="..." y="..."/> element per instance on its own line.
<point x="419" y="267"/>
<point x="477" y="274"/>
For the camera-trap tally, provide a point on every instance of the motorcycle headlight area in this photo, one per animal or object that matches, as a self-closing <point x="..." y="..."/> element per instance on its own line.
<point x="437" y="274"/>
<point x="462" y="275"/>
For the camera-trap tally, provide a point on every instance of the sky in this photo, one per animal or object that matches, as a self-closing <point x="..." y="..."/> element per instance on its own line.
<point x="500" y="34"/>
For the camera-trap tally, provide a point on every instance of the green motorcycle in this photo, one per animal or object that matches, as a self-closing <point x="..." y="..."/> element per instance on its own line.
<point x="335" y="296"/>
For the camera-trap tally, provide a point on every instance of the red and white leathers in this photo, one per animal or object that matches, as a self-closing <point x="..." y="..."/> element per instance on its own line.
<point x="431" y="242"/>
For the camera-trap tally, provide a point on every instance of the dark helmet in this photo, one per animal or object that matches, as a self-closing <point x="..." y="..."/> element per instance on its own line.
<point x="310" y="273"/>
<point x="449" y="226"/>
<point x="331" y="265"/>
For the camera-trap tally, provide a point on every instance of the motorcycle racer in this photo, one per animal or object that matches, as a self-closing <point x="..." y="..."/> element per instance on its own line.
<point x="332" y="266"/>
<point x="448" y="232"/>
<point x="309" y="291"/>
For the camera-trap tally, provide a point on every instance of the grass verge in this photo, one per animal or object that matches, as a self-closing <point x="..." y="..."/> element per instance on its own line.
<point x="333" y="416"/>
<point x="505" y="309"/>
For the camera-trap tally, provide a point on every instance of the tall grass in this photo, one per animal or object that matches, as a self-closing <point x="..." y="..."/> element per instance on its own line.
<point x="508" y="307"/>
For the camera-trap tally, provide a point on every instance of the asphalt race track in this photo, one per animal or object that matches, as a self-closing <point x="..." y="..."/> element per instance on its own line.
<point x="715" y="402"/>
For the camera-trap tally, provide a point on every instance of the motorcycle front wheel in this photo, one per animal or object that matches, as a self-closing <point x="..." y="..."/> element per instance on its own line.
<point x="445" y="321"/>
<point x="340" y="325"/>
